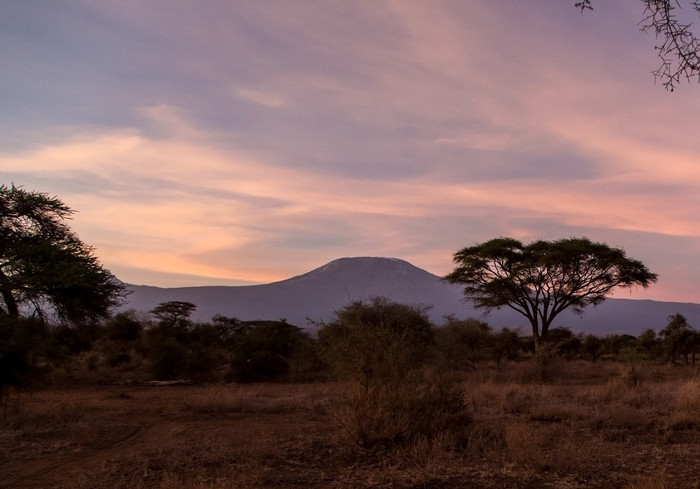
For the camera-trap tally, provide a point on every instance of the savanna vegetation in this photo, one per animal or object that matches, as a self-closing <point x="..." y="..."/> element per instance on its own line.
<point x="378" y="396"/>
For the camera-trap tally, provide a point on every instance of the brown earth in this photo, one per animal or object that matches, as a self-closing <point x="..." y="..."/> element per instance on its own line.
<point x="595" y="433"/>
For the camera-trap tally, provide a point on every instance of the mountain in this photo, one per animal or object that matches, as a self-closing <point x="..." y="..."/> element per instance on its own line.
<point x="317" y="294"/>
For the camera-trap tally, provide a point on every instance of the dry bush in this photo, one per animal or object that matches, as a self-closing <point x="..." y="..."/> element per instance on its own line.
<point x="498" y="399"/>
<point x="524" y="443"/>
<point x="685" y="409"/>
<point x="545" y="366"/>
<point x="631" y="375"/>
<point x="428" y="454"/>
<point x="518" y="400"/>
<point x="687" y="399"/>
<point x="656" y="481"/>
<point x="388" y="415"/>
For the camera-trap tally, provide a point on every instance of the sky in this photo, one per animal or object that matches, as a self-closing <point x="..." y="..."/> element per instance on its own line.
<point x="231" y="143"/>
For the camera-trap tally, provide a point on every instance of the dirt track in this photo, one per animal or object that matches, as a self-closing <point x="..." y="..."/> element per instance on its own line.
<point x="134" y="437"/>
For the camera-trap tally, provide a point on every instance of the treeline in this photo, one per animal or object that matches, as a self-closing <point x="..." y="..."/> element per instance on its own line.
<point x="166" y="345"/>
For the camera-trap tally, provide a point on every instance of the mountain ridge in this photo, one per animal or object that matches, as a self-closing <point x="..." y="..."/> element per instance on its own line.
<point x="312" y="297"/>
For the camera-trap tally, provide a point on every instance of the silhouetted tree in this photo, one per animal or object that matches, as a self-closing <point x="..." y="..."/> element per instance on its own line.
<point x="173" y="320"/>
<point x="44" y="268"/>
<point x="592" y="347"/>
<point x="679" y="338"/>
<point x="462" y="343"/>
<point x="616" y="344"/>
<point x="264" y="350"/>
<point x="124" y="327"/>
<point x="648" y="344"/>
<point x="174" y="312"/>
<point x="544" y="278"/>
<point x="504" y="344"/>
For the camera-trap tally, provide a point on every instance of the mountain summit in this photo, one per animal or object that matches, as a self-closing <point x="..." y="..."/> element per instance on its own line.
<point x="363" y="269"/>
<point x="317" y="294"/>
<point x="314" y="295"/>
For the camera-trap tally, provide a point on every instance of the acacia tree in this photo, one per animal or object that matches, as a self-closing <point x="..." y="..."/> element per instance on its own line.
<point x="174" y="313"/>
<point x="544" y="278"/>
<point x="45" y="270"/>
<point x="679" y="47"/>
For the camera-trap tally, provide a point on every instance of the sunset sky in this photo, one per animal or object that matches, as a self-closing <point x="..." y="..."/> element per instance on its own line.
<point x="241" y="142"/>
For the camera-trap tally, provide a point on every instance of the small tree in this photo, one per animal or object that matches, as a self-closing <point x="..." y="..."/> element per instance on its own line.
<point x="592" y="347"/>
<point x="174" y="313"/>
<point x="544" y="278"/>
<point x="648" y="344"/>
<point x="679" y="338"/>
<point x="462" y="343"/>
<point x="504" y="345"/>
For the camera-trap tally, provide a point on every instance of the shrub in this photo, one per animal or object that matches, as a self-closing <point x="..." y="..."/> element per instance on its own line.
<point x="169" y="359"/>
<point x="264" y="350"/>
<point x="124" y="327"/>
<point x="385" y="415"/>
<point x="381" y="347"/>
<point x="378" y="341"/>
<point x="462" y="344"/>
<point x="23" y="343"/>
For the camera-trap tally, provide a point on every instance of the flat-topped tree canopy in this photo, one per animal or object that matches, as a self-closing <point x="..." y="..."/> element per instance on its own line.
<point x="544" y="278"/>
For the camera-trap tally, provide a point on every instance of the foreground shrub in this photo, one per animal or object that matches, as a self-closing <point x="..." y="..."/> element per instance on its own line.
<point x="169" y="359"/>
<point x="23" y="343"/>
<point x="381" y="347"/>
<point x="386" y="416"/>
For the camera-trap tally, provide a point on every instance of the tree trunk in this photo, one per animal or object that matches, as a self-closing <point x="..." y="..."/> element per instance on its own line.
<point x="536" y="335"/>
<point x="8" y="298"/>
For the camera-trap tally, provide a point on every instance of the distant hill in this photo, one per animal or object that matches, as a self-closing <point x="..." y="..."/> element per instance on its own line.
<point x="317" y="294"/>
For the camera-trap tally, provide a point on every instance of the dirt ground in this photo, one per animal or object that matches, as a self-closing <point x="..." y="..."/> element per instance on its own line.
<point x="285" y="436"/>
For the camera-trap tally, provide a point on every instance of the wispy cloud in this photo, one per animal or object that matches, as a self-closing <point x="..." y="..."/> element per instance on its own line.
<point x="251" y="141"/>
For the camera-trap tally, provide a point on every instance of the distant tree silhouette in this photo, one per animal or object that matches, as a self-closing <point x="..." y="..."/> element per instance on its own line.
<point x="680" y="339"/>
<point x="174" y="313"/>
